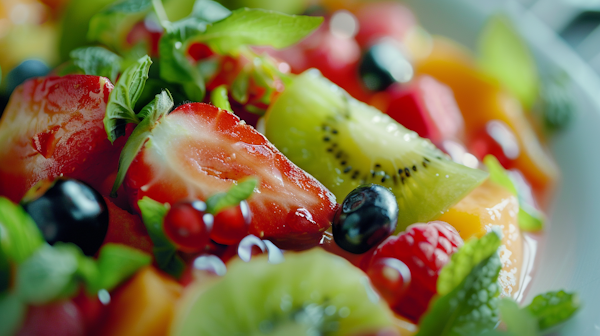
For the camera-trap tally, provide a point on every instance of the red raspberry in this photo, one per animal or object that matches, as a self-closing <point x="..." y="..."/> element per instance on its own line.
<point x="424" y="249"/>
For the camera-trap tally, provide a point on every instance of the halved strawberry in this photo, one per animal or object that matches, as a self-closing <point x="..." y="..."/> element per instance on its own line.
<point x="52" y="127"/>
<point x="199" y="150"/>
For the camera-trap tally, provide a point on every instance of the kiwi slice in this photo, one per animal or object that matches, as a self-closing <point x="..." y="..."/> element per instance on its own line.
<point x="345" y="143"/>
<point x="310" y="293"/>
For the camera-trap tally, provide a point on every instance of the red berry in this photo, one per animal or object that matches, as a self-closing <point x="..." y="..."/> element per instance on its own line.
<point x="231" y="224"/>
<point x="497" y="139"/>
<point x="424" y="249"/>
<point x="391" y="277"/>
<point x="188" y="225"/>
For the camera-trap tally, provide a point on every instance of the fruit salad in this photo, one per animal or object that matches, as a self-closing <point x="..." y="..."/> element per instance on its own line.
<point x="183" y="161"/>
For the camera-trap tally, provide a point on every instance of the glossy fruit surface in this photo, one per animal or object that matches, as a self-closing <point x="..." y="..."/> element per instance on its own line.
<point x="199" y="150"/>
<point x="69" y="211"/>
<point x="383" y="65"/>
<point x="424" y="249"/>
<point x="231" y="224"/>
<point x="188" y="225"/>
<point x="367" y="216"/>
<point x="53" y="127"/>
<point x="125" y="228"/>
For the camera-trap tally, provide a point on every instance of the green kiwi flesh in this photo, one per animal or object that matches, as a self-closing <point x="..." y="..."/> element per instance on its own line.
<point x="345" y="143"/>
<point x="309" y="293"/>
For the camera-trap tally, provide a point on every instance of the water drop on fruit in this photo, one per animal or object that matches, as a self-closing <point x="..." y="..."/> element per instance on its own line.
<point x="231" y="224"/>
<point x="188" y="225"/>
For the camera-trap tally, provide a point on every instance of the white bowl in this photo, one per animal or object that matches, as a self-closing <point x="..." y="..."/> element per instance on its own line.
<point x="569" y="254"/>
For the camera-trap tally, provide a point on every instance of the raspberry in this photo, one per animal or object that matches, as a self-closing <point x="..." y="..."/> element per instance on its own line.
<point x="424" y="249"/>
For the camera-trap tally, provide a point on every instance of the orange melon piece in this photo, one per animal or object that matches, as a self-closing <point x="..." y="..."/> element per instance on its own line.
<point x="487" y="206"/>
<point x="144" y="306"/>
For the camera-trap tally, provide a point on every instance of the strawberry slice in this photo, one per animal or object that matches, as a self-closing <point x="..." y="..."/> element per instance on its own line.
<point x="53" y="126"/>
<point x="199" y="150"/>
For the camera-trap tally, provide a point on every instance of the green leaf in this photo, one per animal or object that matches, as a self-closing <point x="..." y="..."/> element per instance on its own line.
<point x="552" y="308"/>
<point x="556" y="106"/>
<point x="220" y="99"/>
<point x="122" y="99"/>
<point x="505" y="56"/>
<point x="469" y="309"/>
<point x="151" y="114"/>
<point x="19" y="236"/>
<point x="519" y="322"/>
<point x="465" y="259"/>
<point x="5" y="271"/>
<point x="257" y="27"/>
<point x="530" y="219"/>
<point x="47" y="275"/>
<point x="12" y="314"/>
<point x="97" y="61"/>
<point x="209" y="11"/>
<point x="117" y="263"/>
<point x="111" y="25"/>
<point x="165" y="253"/>
<point x="237" y="193"/>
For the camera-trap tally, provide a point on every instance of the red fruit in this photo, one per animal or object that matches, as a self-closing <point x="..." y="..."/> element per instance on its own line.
<point x="188" y="225"/>
<point x="125" y="228"/>
<point x="498" y="140"/>
<point x="58" y="318"/>
<point x="231" y="224"/>
<point x="383" y="19"/>
<point x="427" y="107"/>
<point x="146" y="32"/>
<point x="424" y="249"/>
<point x="92" y="310"/>
<point x="328" y="244"/>
<point x="53" y="127"/>
<point x="199" y="150"/>
<point x="199" y="51"/>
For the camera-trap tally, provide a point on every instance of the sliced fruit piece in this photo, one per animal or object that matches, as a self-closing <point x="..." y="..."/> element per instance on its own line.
<point x="57" y="318"/>
<point x="487" y="206"/>
<point x="383" y="19"/>
<point x="53" y="127"/>
<point x="143" y="306"/>
<point x="312" y="292"/>
<point x="125" y="228"/>
<point x="481" y="99"/>
<point x="199" y="150"/>
<point x="345" y="143"/>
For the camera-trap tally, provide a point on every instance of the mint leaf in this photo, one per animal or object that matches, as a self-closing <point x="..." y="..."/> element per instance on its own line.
<point x="556" y="104"/>
<point x="47" y="275"/>
<point x="117" y="263"/>
<point x="237" y="193"/>
<point x="151" y="114"/>
<point x="19" y="236"/>
<point x="505" y="56"/>
<point x="469" y="309"/>
<point x="552" y="308"/>
<point x="529" y="218"/>
<point x="111" y="25"/>
<point x="122" y="99"/>
<point x="165" y="253"/>
<point x="97" y="61"/>
<point x="465" y="259"/>
<point x="257" y="27"/>
<point x="220" y="99"/>
<point x="519" y="322"/>
<point x="12" y="313"/>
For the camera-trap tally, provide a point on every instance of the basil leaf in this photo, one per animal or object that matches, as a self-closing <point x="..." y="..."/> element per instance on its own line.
<point x="529" y="218"/>
<point x="47" y="275"/>
<point x="19" y="235"/>
<point x="117" y="263"/>
<point x="97" y="61"/>
<point x="505" y="56"/>
<point x="469" y="309"/>
<point x="465" y="259"/>
<point x="111" y="25"/>
<point x="220" y="98"/>
<point x="122" y="99"/>
<point x="552" y="308"/>
<point x="237" y="193"/>
<point x="257" y="27"/>
<point x="209" y="11"/>
<point x="12" y="313"/>
<point x="151" y="114"/>
<point x="165" y="253"/>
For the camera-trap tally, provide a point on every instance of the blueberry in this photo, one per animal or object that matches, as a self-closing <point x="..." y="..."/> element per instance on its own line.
<point x="22" y="72"/>
<point x="70" y="211"/>
<point x="368" y="215"/>
<point x="384" y="64"/>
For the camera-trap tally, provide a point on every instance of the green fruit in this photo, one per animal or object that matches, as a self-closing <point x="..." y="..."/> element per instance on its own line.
<point x="310" y="293"/>
<point x="345" y="143"/>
